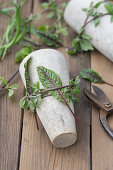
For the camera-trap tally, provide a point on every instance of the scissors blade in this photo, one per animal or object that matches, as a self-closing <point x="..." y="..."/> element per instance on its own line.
<point x="98" y="100"/>
<point x="100" y="93"/>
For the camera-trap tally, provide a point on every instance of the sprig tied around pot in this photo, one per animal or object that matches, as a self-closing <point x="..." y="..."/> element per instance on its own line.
<point x="52" y="84"/>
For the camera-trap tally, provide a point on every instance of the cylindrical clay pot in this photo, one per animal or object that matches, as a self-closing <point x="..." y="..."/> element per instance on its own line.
<point x="55" y="116"/>
<point x="102" y="35"/>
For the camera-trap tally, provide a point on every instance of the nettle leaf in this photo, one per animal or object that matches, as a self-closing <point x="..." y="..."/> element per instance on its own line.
<point x="20" y="55"/>
<point x="91" y="75"/>
<point x="50" y="79"/>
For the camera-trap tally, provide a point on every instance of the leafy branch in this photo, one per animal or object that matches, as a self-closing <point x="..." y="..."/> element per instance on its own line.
<point x="53" y="87"/>
<point x="82" y="41"/>
<point x="5" y="87"/>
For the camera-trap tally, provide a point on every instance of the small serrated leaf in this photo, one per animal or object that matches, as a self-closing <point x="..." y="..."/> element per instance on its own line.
<point x="10" y="93"/>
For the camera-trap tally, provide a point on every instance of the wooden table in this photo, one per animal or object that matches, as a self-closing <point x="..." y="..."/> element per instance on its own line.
<point x="22" y="147"/>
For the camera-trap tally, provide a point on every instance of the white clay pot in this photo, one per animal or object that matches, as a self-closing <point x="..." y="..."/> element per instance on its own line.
<point x="55" y="116"/>
<point x="102" y="35"/>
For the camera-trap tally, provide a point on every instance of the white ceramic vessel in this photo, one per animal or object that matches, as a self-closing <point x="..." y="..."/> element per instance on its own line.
<point x="55" y="116"/>
<point x="102" y="35"/>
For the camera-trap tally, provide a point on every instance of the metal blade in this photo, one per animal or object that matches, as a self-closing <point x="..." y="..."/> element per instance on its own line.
<point x="100" y="93"/>
<point x="98" y="100"/>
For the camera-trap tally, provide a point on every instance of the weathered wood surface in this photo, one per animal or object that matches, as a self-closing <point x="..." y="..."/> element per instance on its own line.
<point x="37" y="151"/>
<point x="22" y="147"/>
<point x="10" y="112"/>
<point x="102" y="144"/>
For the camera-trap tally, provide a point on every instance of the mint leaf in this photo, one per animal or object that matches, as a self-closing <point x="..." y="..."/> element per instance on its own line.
<point x="91" y="75"/>
<point x="10" y="93"/>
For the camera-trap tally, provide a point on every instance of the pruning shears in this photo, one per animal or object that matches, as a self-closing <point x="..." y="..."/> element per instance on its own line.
<point x="104" y="104"/>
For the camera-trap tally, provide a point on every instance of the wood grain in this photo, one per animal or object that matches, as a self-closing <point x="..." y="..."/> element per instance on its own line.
<point x="102" y="144"/>
<point x="37" y="152"/>
<point x="10" y="112"/>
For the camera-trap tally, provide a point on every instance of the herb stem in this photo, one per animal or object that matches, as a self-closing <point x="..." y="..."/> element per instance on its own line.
<point x="55" y="88"/>
<point x="94" y="19"/>
<point x="8" y="81"/>
<point x="36" y="119"/>
<point x="108" y="83"/>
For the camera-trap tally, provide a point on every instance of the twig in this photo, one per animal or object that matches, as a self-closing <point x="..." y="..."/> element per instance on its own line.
<point x="55" y="88"/>
<point x="108" y="83"/>
<point x="11" y="78"/>
<point x="101" y="15"/>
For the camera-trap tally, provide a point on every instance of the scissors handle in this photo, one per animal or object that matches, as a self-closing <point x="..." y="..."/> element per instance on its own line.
<point x="103" y="120"/>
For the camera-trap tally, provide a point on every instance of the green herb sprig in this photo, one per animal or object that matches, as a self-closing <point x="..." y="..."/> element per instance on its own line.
<point x="82" y="41"/>
<point x="52" y="87"/>
<point x="11" y="89"/>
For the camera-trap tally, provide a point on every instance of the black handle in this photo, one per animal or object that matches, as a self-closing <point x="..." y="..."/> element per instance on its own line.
<point x="103" y="120"/>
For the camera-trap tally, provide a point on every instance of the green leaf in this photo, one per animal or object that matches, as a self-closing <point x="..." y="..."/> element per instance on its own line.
<point x="75" y="99"/>
<point x="86" y="36"/>
<point x="48" y="38"/>
<point x="91" y="75"/>
<point x="50" y="15"/>
<point x="112" y="18"/>
<point x="85" y="45"/>
<point x="77" y="80"/>
<point x="72" y="52"/>
<point x="35" y="17"/>
<point x="97" y="21"/>
<point x="24" y="103"/>
<point x="3" y="81"/>
<point x="85" y="9"/>
<point x="50" y="79"/>
<point x="14" y="86"/>
<point x="109" y="7"/>
<point x="20" y="55"/>
<point x="27" y="77"/>
<point x="64" y="4"/>
<point x="97" y="4"/>
<point x="44" y="5"/>
<point x="10" y="93"/>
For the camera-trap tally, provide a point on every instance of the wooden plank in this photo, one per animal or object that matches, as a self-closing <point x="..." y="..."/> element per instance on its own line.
<point x="102" y="144"/>
<point x="37" y="151"/>
<point x="10" y="112"/>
